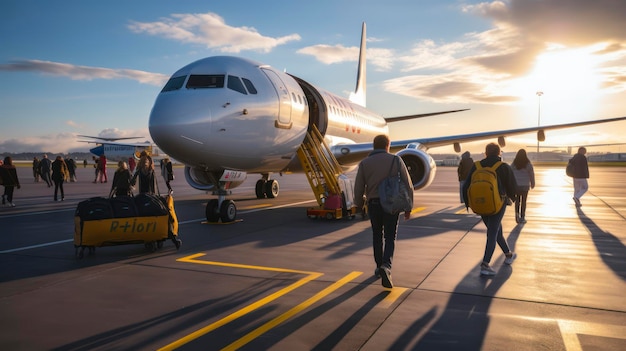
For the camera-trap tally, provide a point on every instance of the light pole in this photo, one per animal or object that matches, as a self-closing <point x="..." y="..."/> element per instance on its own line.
<point x="539" y="93"/>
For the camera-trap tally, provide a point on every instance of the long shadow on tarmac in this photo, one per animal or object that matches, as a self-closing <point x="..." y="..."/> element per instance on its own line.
<point x="464" y="321"/>
<point x="610" y="248"/>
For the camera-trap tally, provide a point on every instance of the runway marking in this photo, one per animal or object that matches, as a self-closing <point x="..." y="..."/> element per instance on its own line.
<point x="570" y="329"/>
<point x="36" y="246"/>
<point x="254" y="306"/>
<point x="392" y="296"/>
<point x="418" y="209"/>
<point x="292" y="312"/>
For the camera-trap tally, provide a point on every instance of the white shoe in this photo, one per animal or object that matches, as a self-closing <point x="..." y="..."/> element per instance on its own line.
<point x="485" y="269"/>
<point x="12" y="204"/>
<point x="510" y="260"/>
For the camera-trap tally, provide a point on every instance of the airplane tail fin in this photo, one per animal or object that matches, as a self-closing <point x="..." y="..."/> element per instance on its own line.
<point x="358" y="97"/>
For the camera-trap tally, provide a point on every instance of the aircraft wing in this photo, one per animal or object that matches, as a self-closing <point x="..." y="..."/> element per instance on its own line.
<point x="108" y="139"/>
<point x="144" y="144"/>
<point x="402" y="118"/>
<point x="349" y="153"/>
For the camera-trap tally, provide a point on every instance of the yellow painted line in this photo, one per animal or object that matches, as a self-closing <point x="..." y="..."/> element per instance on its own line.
<point x="254" y="306"/>
<point x="222" y="223"/>
<point x="462" y="211"/>
<point x="255" y="206"/>
<point x="394" y="294"/>
<point x="418" y="209"/>
<point x="292" y="312"/>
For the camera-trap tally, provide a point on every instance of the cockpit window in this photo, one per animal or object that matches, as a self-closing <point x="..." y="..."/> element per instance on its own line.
<point x="249" y="86"/>
<point x="205" y="81"/>
<point x="174" y="83"/>
<point x="234" y="83"/>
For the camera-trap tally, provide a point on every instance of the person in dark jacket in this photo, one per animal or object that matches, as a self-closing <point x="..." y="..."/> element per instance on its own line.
<point x="507" y="187"/>
<point x="168" y="173"/>
<point x="580" y="174"/>
<point x="145" y="175"/>
<point x="60" y="174"/>
<point x="8" y="174"/>
<point x="44" y="170"/>
<point x="462" y="171"/>
<point x="121" y="180"/>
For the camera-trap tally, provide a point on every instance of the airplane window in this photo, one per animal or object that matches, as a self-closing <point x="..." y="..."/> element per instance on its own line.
<point x="234" y="83"/>
<point x="174" y="83"/>
<point x="205" y="81"/>
<point x="249" y="85"/>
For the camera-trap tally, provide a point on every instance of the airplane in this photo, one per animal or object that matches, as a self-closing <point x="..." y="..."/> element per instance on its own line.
<point x="116" y="151"/>
<point x="226" y="116"/>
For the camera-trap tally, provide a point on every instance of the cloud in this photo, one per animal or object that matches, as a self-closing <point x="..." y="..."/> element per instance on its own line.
<point x="84" y="72"/>
<point x="330" y="54"/>
<point x="210" y="30"/>
<point x="483" y="66"/>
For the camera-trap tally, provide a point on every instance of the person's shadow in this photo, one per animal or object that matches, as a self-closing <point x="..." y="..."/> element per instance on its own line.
<point x="610" y="247"/>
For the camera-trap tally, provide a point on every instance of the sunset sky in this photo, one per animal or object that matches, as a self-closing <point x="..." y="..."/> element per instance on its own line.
<point x="95" y="68"/>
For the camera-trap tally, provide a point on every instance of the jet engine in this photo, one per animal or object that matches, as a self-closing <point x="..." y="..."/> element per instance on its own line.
<point x="420" y="164"/>
<point x="206" y="181"/>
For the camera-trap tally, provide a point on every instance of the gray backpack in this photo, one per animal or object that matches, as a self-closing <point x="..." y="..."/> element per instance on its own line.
<point x="393" y="193"/>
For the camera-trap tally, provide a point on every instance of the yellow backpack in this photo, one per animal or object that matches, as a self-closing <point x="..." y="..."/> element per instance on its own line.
<point x="483" y="194"/>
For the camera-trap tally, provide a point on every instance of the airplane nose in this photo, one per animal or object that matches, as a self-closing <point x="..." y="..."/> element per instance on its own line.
<point x="177" y="126"/>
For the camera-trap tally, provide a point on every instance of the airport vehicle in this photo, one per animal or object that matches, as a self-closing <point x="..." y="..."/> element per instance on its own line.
<point x="224" y="117"/>
<point x="144" y="219"/>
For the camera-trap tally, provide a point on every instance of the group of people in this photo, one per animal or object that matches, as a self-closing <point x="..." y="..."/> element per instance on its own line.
<point x="515" y="182"/>
<point x="61" y="170"/>
<point x="124" y="180"/>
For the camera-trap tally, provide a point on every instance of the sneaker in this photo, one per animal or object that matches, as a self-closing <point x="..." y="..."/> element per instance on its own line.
<point x="12" y="204"/>
<point x="385" y="275"/>
<point x="486" y="270"/>
<point x="510" y="260"/>
<point x="377" y="272"/>
<point x="522" y="220"/>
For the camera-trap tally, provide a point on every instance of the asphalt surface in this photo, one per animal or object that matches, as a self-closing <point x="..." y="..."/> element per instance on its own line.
<point x="278" y="280"/>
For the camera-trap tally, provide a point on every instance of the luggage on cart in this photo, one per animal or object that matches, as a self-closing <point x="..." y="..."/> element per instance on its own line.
<point x="143" y="219"/>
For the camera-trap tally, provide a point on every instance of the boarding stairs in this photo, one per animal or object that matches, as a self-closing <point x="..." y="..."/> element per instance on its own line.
<point x="332" y="188"/>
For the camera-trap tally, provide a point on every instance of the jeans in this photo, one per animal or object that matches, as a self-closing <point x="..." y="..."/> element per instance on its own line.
<point x="494" y="234"/>
<point x="580" y="187"/>
<point x="384" y="232"/>
<point x="520" y="204"/>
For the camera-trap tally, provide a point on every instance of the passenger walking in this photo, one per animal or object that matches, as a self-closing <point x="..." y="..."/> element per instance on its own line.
<point x="44" y="169"/>
<point x="465" y="165"/>
<point x="168" y="173"/>
<point x="8" y="174"/>
<point x="506" y="181"/>
<point x="59" y="175"/>
<point x="384" y="225"/>
<point x="525" y="179"/>
<point x="96" y="166"/>
<point x="36" y="169"/>
<point x="580" y="174"/>
<point x="102" y="164"/>
<point x="85" y="163"/>
<point x="71" y="167"/>
<point x="121" y="180"/>
<point x="145" y="175"/>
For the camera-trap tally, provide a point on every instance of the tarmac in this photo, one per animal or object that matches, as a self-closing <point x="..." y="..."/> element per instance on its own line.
<point x="278" y="280"/>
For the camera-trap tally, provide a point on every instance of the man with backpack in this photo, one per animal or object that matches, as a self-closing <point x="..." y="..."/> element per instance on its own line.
<point x="372" y="171"/>
<point x="489" y="183"/>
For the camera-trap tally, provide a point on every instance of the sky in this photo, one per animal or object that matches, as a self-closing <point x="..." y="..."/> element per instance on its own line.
<point x="76" y="67"/>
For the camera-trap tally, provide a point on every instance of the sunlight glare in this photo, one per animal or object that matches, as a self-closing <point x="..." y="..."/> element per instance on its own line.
<point x="569" y="80"/>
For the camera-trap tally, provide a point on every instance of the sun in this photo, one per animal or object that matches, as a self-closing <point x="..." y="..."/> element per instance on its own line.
<point x="569" y="81"/>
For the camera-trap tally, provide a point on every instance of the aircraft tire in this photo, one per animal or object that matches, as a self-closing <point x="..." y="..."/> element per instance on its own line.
<point x="228" y="211"/>
<point x="272" y="189"/>
<point x="212" y="213"/>
<point x="260" y="189"/>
